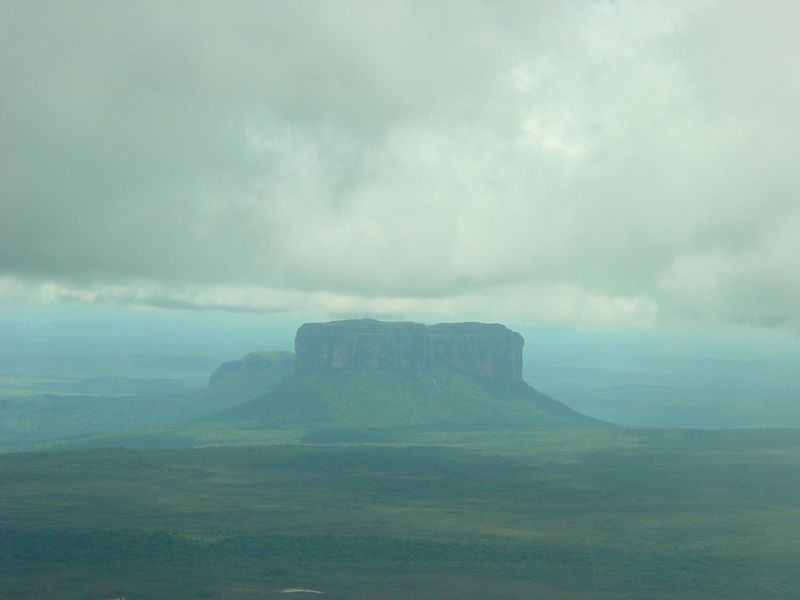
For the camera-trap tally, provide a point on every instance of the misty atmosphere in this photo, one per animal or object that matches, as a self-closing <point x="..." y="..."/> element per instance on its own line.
<point x="399" y="300"/>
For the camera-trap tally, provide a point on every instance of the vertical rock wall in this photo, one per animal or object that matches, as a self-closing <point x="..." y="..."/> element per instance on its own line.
<point x="480" y="349"/>
<point x="362" y="344"/>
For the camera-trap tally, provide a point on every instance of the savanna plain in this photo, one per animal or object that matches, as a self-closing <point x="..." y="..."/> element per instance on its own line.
<point x="511" y="514"/>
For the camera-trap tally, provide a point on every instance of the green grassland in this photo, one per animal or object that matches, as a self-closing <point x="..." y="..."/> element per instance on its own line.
<point x="526" y="513"/>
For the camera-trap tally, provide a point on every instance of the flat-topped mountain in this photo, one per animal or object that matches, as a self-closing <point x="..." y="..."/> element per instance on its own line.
<point x="374" y="374"/>
<point x="478" y="349"/>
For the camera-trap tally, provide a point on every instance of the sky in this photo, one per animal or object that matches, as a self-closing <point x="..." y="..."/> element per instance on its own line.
<point x="593" y="163"/>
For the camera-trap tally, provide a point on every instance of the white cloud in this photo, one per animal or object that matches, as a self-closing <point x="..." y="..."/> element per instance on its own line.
<point x="618" y="162"/>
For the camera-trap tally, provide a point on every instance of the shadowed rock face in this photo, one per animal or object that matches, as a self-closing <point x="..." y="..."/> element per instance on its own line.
<point x="362" y="344"/>
<point x="479" y="349"/>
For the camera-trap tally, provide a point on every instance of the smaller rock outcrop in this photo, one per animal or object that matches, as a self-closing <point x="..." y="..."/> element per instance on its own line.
<point x="253" y="367"/>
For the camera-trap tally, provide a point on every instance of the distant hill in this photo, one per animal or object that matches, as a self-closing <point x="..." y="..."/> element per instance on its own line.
<point x="376" y="374"/>
<point x="248" y="377"/>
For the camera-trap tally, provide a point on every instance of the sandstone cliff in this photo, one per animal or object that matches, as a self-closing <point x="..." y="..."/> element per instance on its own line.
<point x="479" y="349"/>
<point x="362" y="344"/>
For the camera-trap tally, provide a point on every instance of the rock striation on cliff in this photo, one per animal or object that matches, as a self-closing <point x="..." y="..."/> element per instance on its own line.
<point x="487" y="351"/>
<point x="361" y="344"/>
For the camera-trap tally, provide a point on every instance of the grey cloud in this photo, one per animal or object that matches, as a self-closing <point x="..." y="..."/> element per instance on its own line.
<point x="596" y="161"/>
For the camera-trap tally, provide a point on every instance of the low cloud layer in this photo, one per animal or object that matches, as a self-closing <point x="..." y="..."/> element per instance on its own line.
<point x="599" y="162"/>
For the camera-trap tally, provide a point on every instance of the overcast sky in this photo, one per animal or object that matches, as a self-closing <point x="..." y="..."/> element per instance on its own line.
<point x="626" y="163"/>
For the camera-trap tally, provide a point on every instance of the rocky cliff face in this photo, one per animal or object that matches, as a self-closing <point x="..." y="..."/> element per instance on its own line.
<point x="362" y="344"/>
<point x="479" y="349"/>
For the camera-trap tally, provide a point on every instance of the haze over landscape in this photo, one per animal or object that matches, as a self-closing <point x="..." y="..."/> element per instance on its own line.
<point x="399" y="299"/>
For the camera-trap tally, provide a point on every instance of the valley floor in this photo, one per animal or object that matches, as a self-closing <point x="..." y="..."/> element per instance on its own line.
<point x="572" y="514"/>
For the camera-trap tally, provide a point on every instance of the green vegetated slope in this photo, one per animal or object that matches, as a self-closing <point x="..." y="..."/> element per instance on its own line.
<point x="25" y="420"/>
<point x="325" y="406"/>
<point x="383" y="398"/>
<point x="576" y="514"/>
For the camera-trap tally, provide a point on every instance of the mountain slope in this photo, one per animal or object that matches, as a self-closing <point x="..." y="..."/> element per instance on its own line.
<point x="443" y="396"/>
